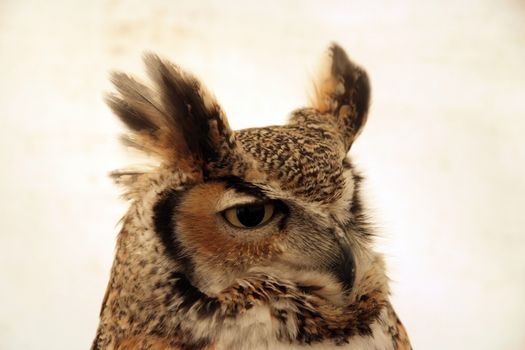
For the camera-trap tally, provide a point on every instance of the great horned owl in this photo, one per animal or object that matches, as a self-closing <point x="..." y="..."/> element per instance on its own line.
<point x="248" y="239"/>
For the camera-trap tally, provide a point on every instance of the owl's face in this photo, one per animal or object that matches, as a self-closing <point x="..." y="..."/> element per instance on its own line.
<point x="273" y="210"/>
<point x="279" y="214"/>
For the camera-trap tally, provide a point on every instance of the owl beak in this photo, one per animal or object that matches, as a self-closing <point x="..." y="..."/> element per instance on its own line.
<point x="344" y="268"/>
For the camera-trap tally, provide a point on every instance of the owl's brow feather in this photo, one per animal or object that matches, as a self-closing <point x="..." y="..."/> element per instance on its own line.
<point x="242" y="186"/>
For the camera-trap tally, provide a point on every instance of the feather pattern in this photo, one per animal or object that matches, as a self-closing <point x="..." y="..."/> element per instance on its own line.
<point x="186" y="277"/>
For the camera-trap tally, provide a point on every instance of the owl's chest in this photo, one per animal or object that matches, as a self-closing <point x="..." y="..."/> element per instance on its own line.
<point x="256" y="330"/>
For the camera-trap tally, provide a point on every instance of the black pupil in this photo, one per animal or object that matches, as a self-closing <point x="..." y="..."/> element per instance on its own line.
<point x="250" y="215"/>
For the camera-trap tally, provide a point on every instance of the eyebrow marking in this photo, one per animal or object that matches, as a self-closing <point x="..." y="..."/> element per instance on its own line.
<point x="241" y="186"/>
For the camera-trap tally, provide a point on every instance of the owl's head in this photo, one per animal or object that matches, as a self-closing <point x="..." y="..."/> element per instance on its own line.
<point x="229" y="210"/>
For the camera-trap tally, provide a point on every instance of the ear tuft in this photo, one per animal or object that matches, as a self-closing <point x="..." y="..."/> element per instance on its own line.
<point x="343" y="91"/>
<point x="178" y="119"/>
<point x="134" y="105"/>
<point x="192" y="107"/>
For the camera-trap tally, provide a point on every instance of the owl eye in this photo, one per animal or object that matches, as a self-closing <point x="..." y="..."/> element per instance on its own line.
<point x="250" y="215"/>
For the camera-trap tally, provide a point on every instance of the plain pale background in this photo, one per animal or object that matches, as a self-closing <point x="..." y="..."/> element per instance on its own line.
<point x="443" y="150"/>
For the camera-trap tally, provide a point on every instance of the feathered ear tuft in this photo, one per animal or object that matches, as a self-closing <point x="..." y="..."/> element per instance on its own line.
<point x="343" y="91"/>
<point x="178" y="120"/>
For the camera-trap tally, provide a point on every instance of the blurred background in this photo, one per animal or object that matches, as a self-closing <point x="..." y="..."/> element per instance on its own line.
<point x="443" y="149"/>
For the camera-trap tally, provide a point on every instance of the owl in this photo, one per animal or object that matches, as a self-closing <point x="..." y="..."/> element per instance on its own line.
<point x="247" y="239"/>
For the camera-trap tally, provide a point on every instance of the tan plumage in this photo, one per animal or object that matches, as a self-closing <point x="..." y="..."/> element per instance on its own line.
<point x="249" y="239"/>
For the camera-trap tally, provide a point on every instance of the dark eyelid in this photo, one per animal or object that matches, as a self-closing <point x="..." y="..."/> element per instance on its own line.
<point x="258" y="202"/>
<point x="279" y="205"/>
